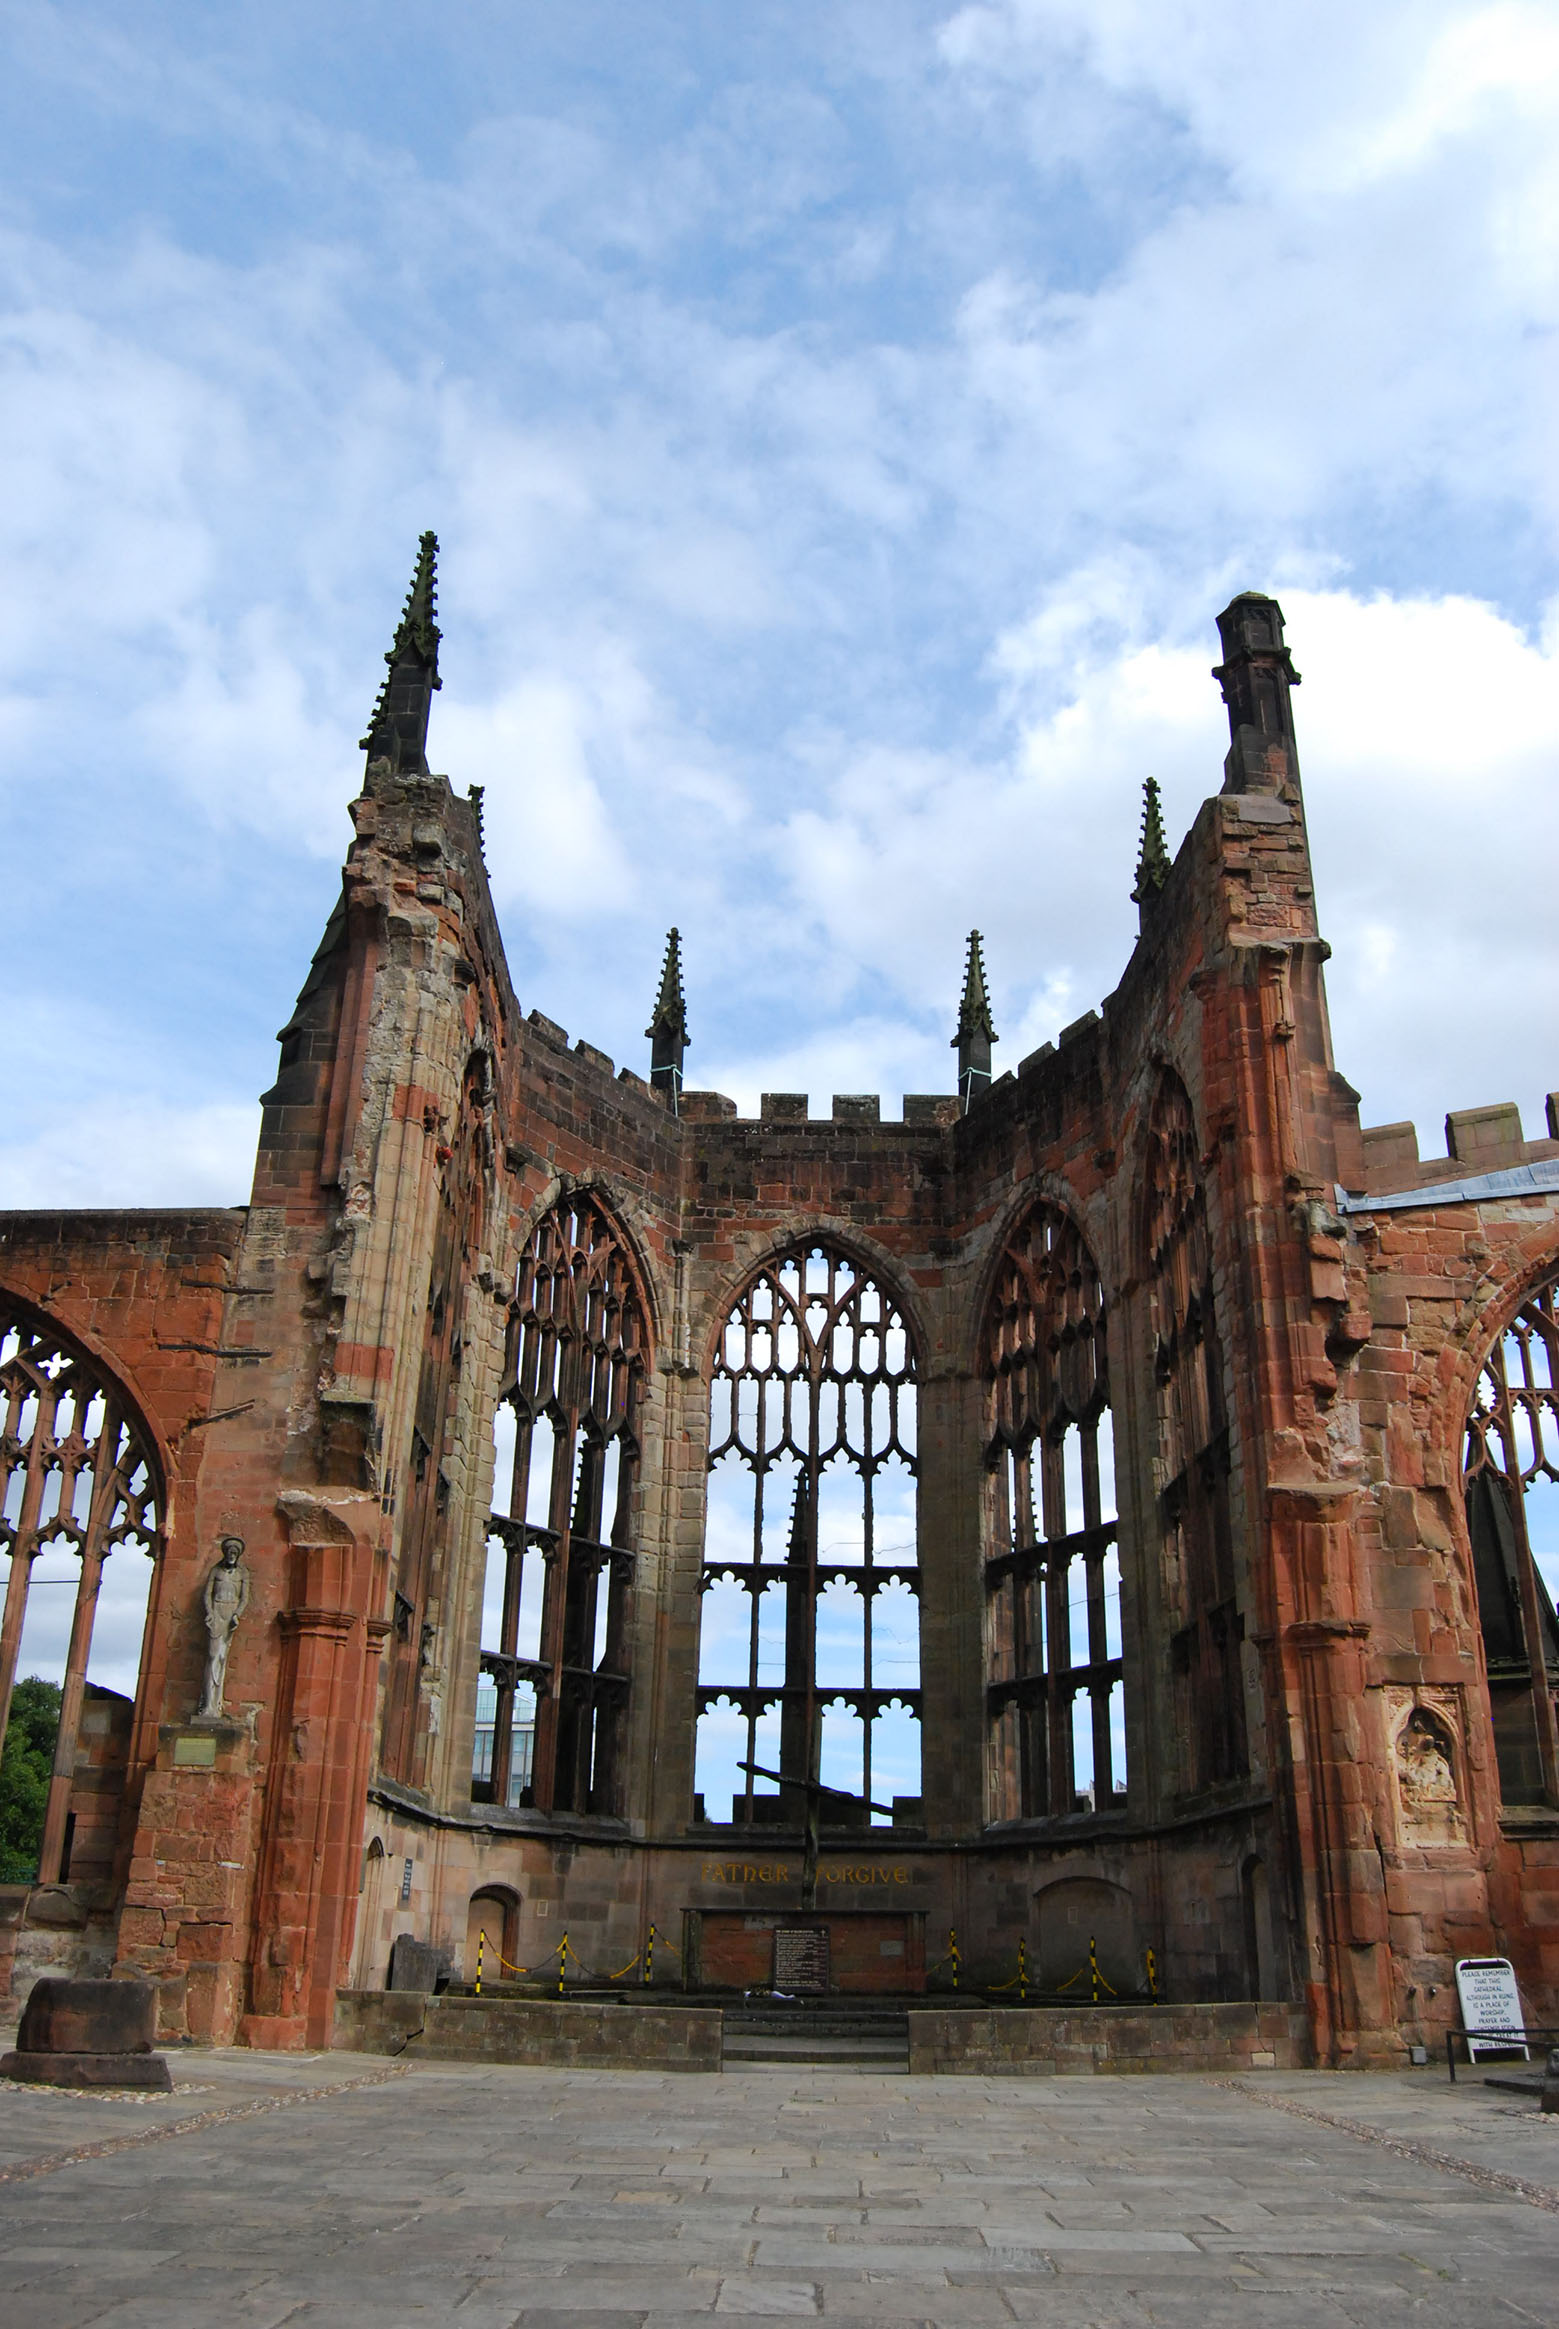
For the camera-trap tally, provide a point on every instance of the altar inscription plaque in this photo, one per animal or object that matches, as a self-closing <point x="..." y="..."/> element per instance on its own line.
<point x="801" y="1959"/>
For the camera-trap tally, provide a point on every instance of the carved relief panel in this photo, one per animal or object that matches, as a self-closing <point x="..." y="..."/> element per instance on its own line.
<point x="1427" y="1766"/>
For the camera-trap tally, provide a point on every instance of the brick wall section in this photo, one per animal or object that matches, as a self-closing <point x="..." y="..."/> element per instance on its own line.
<point x="97" y="1790"/>
<point x="1040" y="2043"/>
<point x="569" y="2036"/>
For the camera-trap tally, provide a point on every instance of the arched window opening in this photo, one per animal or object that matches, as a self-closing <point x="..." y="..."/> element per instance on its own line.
<point x="1206" y="1626"/>
<point x="1055" y="1674"/>
<point x="80" y="1526"/>
<point x="1512" y="1492"/>
<point x="809" y="1643"/>
<point x="552" y="1697"/>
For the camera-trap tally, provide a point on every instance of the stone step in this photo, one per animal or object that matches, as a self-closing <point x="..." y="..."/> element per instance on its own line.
<point x="881" y="2054"/>
<point x="744" y="2018"/>
<point x="854" y="2036"/>
<point x="814" y="2017"/>
<point x="837" y="2034"/>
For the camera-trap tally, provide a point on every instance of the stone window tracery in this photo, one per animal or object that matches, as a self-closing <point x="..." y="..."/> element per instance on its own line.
<point x="553" y="1695"/>
<point x="1512" y="1494"/>
<point x="1055" y="1691"/>
<point x="1192" y="1474"/>
<point x="809" y="1659"/>
<point x="80" y="1524"/>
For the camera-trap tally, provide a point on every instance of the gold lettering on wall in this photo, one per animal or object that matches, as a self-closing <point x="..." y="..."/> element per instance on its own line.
<point x="778" y="1872"/>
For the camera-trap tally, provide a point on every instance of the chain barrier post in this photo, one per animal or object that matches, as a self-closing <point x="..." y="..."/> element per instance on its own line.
<point x="480" y="1939"/>
<point x="562" y="1962"/>
<point x="649" y="1956"/>
<point x="1152" y="1977"/>
<point x="1093" y="1967"/>
<point x="952" y="1951"/>
<point x="1023" y="1974"/>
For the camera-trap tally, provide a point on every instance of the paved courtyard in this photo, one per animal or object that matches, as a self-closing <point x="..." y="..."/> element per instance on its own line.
<point x="342" y="2190"/>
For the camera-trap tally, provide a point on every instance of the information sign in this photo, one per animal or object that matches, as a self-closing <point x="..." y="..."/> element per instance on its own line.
<point x="801" y="1959"/>
<point x="1491" y="2003"/>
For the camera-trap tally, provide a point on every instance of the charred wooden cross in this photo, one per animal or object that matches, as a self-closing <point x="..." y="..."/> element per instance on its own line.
<point x="814" y="1791"/>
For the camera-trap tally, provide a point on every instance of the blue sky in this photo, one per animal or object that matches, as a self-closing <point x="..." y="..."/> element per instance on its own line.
<point x="842" y="424"/>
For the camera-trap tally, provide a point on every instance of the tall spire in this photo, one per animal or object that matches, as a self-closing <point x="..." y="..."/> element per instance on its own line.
<point x="976" y="1030"/>
<point x="667" y="1029"/>
<point x="1153" y="855"/>
<point x="398" y="730"/>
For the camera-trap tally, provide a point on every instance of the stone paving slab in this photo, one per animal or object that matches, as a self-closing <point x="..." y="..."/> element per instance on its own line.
<point x="289" y="2191"/>
<point x="50" y="2120"/>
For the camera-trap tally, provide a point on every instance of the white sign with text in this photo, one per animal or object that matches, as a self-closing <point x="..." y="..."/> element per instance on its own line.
<point x="1491" y="2004"/>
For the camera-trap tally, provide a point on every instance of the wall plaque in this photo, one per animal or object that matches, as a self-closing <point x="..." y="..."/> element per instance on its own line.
<point x="801" y="1959"/>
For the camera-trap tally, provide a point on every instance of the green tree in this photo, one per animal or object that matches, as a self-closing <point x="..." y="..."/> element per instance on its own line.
<point x="24" y="1776"/>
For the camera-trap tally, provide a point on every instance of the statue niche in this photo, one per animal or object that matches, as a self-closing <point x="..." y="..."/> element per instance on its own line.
<point x="1425" y="1766"/>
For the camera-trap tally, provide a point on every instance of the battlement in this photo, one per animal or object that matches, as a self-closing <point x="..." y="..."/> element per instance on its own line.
<point x="922" y="1111"/>
<point x="1480" y="1140"/>
<point x="855" y="1111"/>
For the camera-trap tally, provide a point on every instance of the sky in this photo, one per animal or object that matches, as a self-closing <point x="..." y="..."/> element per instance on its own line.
<point x="842" y="424"/>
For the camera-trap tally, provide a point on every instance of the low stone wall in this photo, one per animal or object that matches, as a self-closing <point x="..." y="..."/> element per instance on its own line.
<point x="1042" y="2041"/>
<point x="479" y="2029"/>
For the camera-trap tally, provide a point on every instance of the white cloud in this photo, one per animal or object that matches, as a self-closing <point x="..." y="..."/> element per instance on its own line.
<point x="1347" y="310"/>
<point x="549" y="843"/>
<point x="237" y="729"/>
<point x="840" y="450"/>
<point x="1429" y="738"/>
<point x="1297" y="102"/>
<point x="122" y="1147"/>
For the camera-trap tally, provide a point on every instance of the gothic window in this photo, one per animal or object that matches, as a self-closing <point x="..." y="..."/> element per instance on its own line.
<point x="552" y="1700"/>
<point x="1192" y="1472"/>
<point x="1055" y="1690"/>
<point x="79" y="1528"/>
<point x="1512" y="1491"/>
<point x="809" y="1656"/>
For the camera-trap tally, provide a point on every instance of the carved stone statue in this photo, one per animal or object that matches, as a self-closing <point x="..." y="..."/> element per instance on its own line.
<point x="225" y="1599"/>
<point x="1424" y="1775"/>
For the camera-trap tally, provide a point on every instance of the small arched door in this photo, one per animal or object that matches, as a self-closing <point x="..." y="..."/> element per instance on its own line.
<point x="495" y="1911"/>
<point x="372" y="1956"/>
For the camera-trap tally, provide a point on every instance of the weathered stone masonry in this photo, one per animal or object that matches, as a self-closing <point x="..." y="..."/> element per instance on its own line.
<point x="1339" y="1773"/>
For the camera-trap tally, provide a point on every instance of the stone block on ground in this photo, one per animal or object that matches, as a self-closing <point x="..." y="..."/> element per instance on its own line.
<point x="415" y="1965"/>
<point x="89" y="2034"/>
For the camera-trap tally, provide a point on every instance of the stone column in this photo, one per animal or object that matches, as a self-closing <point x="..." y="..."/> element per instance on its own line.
<point x="952" y="1585"/>
<point x="183" y="1924"/>
<point x="306" y="1896"/>
<point x="24" y="1545"/>
<point x="51" y="1851"/>
<point x="1320" y="1660"/>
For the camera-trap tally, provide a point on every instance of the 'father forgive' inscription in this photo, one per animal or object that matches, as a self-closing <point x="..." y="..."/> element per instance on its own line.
<point x="779" y="1872"/>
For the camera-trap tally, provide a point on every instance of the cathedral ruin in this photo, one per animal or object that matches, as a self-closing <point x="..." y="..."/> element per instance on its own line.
<point x="1074" y="1542"/>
